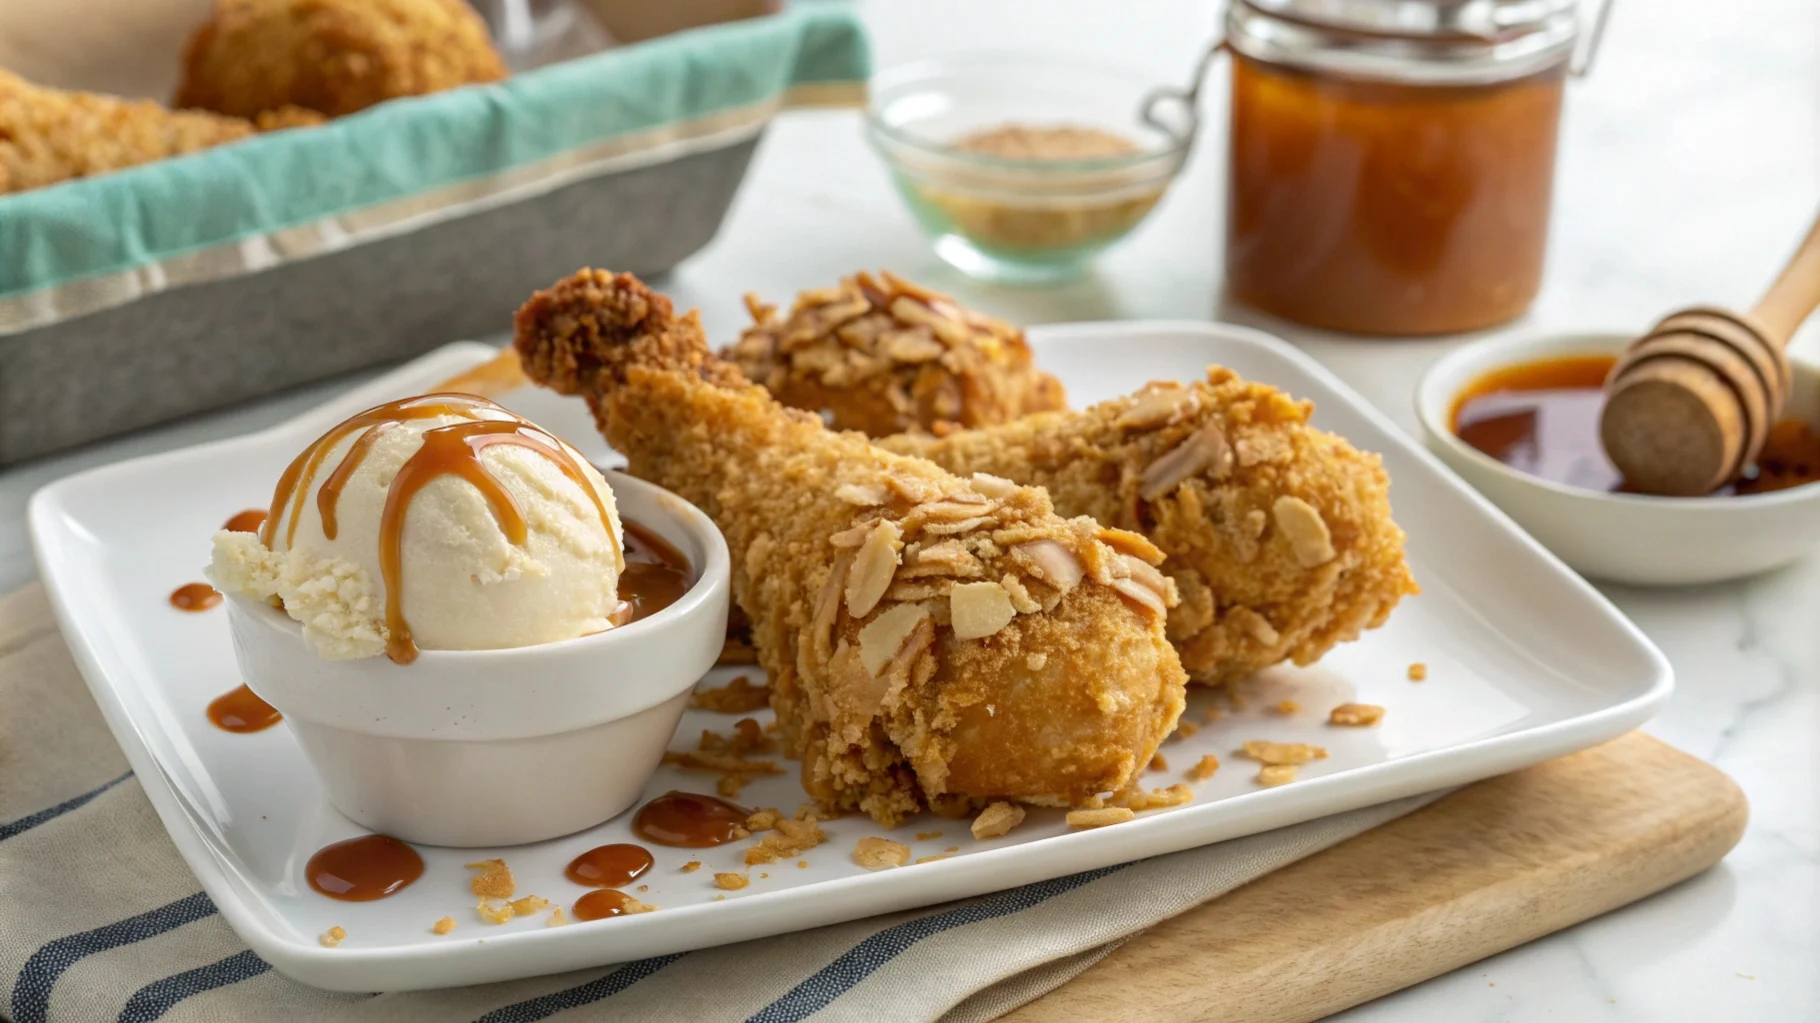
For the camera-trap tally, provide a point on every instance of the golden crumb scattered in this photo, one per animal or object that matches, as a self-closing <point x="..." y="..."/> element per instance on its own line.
<point x="1356" y="715"/>
<point x="494" y="880"/>
<point x="1287" y="707"/>
<point x="787" y="840"/>
<point x="763" y="819"/>
<point x="736" y="771"/>
<point x="762" y="875"/>
<point x="443" y="926"/>
<point x="1204" y="769"/>
<point x="1099" y="818"/>
<point x="691" y="867"/>
<point x="926" y="836"/>
<point x="720" y="898"/>
<point x="1159" y="763"/>
<point x="739" y="696"/>
<point x="802" y="864"/>
<point x="494" y="914"/>
<point x="812" y="812"/>
<point x="747" y="738"/>
<point x="528" y="905"/>
<point x="1272" y="775"/>
<point x="644" y="887"/>
<point x="952" y="849"/>
<point x="1186" y="729"/>
<point x="875" y="853"/>
<point x="557" y="918"/>
<point x="932" y="859"/>
<point x="731" y="882"/>
<point x="634" y="906"/>
<point x="332" y="937"/>
<point x="1282" y="753"/>
<point x="997" y="819"/>
<point x="1137" y="799"/>
<point x="1418" y="672"/>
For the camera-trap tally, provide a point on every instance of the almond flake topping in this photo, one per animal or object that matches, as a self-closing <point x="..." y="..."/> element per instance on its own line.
<point x="979" y="609"/>
<point x="873" y="568"/>
<point x="1205" y="451"/>
<point x="882" y="637"/>
<point x="1307" y="533"/>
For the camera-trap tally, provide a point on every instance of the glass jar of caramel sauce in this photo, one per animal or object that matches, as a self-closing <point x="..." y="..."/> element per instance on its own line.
<point x="1391" y="161"/>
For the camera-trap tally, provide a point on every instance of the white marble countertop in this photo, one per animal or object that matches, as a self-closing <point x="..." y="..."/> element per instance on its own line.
<point x="1690" y="164"/>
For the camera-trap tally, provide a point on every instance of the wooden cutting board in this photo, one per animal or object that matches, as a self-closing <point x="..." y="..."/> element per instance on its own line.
<point x="1487" y="868"/>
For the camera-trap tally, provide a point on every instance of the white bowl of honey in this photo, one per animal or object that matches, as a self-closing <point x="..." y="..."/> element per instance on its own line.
<point x="503" y="747"/>
<point x="1518" y="418"/>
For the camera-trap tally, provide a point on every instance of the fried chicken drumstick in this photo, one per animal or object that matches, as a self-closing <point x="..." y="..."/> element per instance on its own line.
<point x="883" y="356"/>
<point x="1278" y="535"/>
<point x="931" y="640"/>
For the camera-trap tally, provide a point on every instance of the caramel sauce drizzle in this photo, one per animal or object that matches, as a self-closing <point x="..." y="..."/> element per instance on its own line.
<point x="452" y="450"/>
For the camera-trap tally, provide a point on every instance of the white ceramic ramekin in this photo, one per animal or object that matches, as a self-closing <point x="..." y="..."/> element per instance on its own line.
<point x="500" y="747"/>
<point x="1625" y="538"/>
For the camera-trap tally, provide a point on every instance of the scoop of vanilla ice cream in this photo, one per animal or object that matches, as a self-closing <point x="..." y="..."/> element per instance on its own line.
<point x="465" y="585"/>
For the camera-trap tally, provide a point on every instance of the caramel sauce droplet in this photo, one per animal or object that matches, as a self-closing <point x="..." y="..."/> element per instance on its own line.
<point x="609" y="866"/>
<point x="241" y="710"/>
<point x="194" y="597"/>
<point x="363" y="869"/>
<point x="598" y="905"/>
<point x="247" y="521"/>
<point x="690" y="820"/>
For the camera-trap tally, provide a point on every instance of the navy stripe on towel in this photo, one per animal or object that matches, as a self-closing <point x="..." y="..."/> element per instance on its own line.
<point x="27" y="823"/>
<point x="857" y="963"/>
<point x="155" y="999"/>
<point x="544" y="1006"/>
<point x="32" y="992"/>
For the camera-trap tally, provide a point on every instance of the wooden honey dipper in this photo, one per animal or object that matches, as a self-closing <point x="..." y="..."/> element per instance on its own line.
<point x="1689" y="404"/>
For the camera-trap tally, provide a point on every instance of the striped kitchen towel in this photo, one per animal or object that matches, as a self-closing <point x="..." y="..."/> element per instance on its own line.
<point x="101" y="920"/>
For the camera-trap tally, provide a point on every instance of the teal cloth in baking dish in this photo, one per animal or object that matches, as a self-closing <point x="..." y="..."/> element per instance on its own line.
<point x="92" y="243"/>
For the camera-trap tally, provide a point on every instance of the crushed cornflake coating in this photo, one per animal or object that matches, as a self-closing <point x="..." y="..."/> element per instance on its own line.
<point x="997" y="819"/>
<point x="1186" y="729"/>
<point x="632" y="906"/>
<point x="1205" y="768"/>
<point x="494" y="880"/>
<point x="802" y="864"/>
<point x="1287" y="707"/>
<point x="1282" y="753"/>
<point x="1356" y="715"/>
<point x="787" y="840"/>
<point x="557" y="918"/>
<point x="730" y="881"/>
<point x="443" y="926"/>
<point x="691" y="867"/>
<point x="528" y="905"/>
<point x="748" y="737"/>
<point x="932" y="859"/>
<point x="764" y="819"/>
<point x="494" y="914"/>
<point x="1159" y="762"/>
<point x="1418" y="671"/>
<point x="332" y="937"/>
<point x="1099" y="818"/>
<point x="739" y="696"/>
<point x="644" y="887"/>
<point x="1272" y="775"/>
<point x="927" y="836"/>
<point x="1138" y="800"/>
<point x="876" y="853"/>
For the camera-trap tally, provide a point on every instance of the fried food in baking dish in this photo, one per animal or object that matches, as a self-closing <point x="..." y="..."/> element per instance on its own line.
<point x="332" y="56"/>
<point x="931" y="640"/>
<point x="882" y="355"/>
<point x="52" y="135"/>
<point x="1278" y="535"/>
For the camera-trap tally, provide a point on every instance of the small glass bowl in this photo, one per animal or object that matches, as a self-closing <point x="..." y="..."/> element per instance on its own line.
<point x="1021" y="221"/>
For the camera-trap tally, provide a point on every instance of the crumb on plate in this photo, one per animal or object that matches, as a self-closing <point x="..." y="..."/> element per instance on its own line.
<point x="1418" y="672"/>
<point x="730" y="881"/>
<point x="787" y="840"/>
<point x="1204" y="768"/>
<point x="997" y="819"/>
<point x="875" y="853"/>
<point x="1272" y="775"/>
<point x="1099" y="818"/>
<point x="494" y="880"/>
<point x="1282" y="753"/>
<point x="557" y="918"/>
<point x="691" y="867"/>
<point x="1356" y="715"/>
<point x="443" y="926"/>
<point x="926" y="836"/>
<point x="332" y="937"/>
<point x="1159" y="763"/>
<point x="739" y="696"/>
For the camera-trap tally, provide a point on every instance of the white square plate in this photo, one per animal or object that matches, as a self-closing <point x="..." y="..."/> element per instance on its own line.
<point x="1525" y="662"/>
